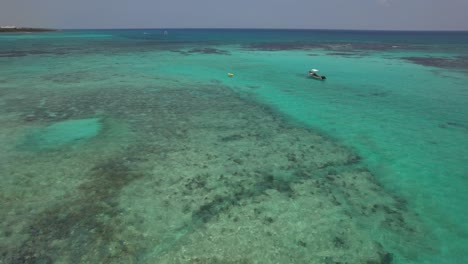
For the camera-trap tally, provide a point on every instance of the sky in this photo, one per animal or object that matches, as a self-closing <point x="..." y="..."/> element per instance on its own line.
<point x="303" y="14"/>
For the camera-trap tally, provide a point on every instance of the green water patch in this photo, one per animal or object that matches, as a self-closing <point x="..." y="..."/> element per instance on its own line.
<point x="62" y="133"/>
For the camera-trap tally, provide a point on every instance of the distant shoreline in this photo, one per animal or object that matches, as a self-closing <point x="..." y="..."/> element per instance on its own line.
<point x="274" y="29"/>
<point x="25" y="30"/>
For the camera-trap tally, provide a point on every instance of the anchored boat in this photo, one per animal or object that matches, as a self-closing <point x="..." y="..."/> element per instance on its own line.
<point x="313" y="74"/>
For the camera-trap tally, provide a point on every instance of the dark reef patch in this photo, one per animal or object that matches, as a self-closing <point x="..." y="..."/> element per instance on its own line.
<point x="12" y="54"/>
<point x="278" y="46"/>
<point x="379" y="94"/>
<point x="197" y="182"/>
<point x="72" y="77"/>
<point x="339" y="242"/>
<point x="374" y="94"/>
<point x="26" y="52"/>
<point x="346" y="54"/>
<point x="386" y="258"/>
<point x="232" y="138"/>
<point x="208" y="51"/>
<point x="82" y="227"/>
<point x="61" y="105"/>
<point x="247" y="187"/>
<point x="457" y="62"/>
<point x="336" y="47"/>
<point x="456" y="125"/>
<point x="248" y="191"/>
<point x="103" y="46"/>
<point x="212" y="209"/>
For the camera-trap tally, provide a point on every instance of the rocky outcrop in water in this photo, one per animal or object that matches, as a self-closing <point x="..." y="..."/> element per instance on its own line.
<point x="24" y="29"/>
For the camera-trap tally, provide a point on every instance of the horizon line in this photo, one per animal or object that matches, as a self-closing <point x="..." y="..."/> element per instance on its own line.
<point x="243" y="28"/>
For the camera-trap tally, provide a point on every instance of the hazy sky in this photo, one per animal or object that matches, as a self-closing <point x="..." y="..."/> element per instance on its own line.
<point x="325" y="14"/>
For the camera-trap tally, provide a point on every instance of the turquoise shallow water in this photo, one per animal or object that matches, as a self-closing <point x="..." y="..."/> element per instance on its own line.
<point x="62" y="133"/>
<point x="129" y="128"/>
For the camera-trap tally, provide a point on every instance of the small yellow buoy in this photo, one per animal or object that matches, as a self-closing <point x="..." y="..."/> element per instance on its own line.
<point x="230" y="74"/>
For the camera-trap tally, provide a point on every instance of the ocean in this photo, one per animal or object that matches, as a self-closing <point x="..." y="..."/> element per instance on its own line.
<point x="136" y="146"/>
